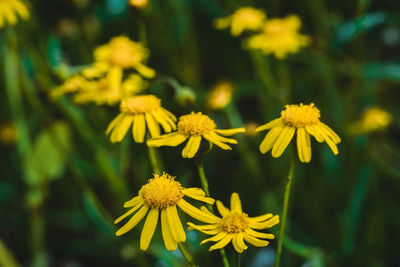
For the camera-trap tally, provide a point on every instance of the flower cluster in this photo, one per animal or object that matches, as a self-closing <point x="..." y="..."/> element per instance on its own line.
<point x="103" y="82"/>
<point x="277" y="36"/>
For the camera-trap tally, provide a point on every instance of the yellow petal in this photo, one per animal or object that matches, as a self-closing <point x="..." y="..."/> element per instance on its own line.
<point x="195" y="212"/>
<point x="255" y="241"/>
<point x="223" y="139"/>
<point x="175" y="225"/>
<point x="330" y="132"/>
<point x="117" y="120"/>
<point x="270" y="139"/>
<point x="235" y="244"/>
<point x="133" y="221"/>
<point x="222" y="243"/>
<point x="207" y="211"/>
<point x="236" y="204"/>
<point x="139" y="128"/>
<point x="120" y="130"/>
<point x="209" y="229"/>
<point x="262" y="217"/>
<point x="145" y="71"/>
<point x="258" y="234"/>
<point x="313" y="131"/>
<point x="303" y="145"/>
<point x="191" y="147"/>
<point x="148" y="229"/>
<point x="172" y="139"/>
<point x="267" y="224"/>
<point x="153" y="126"/>
<point x="114" y="78"/>
<point x="170" y="243"/>
<point x="157" y="114"/>
<point x="133" y="202"/>
<point x="272" y="124"/>
<point x="222" y="209"/>
<point x="215" y="141"/>
<point x="215" y="238"/>
<point x="229" y="132"/>
<point x="282" y="141"/>
<point x="198" y="194"/>
<point x="129" y="212"/>
<point x="328" y="140"/>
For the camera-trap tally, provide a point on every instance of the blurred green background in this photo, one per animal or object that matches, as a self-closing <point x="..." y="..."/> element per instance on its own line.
<point x="63" y="183"/>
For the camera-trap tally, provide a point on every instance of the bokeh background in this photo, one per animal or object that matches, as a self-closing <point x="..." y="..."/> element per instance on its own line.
<point x="63" y="183"/>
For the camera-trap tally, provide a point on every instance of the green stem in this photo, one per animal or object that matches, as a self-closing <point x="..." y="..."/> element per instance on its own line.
<point x="237" y="259"/>
<point x="6" y="257"/>
<point x="264" y="71"/>
<point x="188" y="257"/>
<point x="155" y="160"/>
<point x="38" y="233"/>
<point x="204" y="184"/>
<point x="285" y="209"/>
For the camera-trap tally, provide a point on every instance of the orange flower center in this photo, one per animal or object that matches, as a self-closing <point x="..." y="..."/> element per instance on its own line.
<point x="235" y="222"/>
<point x="300" y="115"/>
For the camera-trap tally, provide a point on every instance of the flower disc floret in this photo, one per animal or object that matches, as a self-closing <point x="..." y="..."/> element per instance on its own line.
<point x="140" y="104"/>
<point x="235" y="222"/>
<point x="300" y="115"/>
<point x="195" y="124"/>
<point x="161" y="191"/>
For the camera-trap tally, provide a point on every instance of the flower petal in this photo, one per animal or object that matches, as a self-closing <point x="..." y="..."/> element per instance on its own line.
<point x="198" y="194"/>
<point x="255" y="241"/>
<point x="217" y="142"/>
<point x="229" y="132"/>
<point x="282" y="141"/>
<point x="153" y="126"/>
<point x="222" y="209"/>
<point x="236" y="204"/>
<point x="222" y="243"/>
<point x="303" y="145"/>
<point x="139" y="128"/>
<point x="267" y="224"/>
<point x="192" y="146"/>
<point x="270" y="139"/>
<point x="258" y="234"/>
<point x="129" y="212"/>
<point x="195" y="212"/>
<point x="133" y="221"/>
<point x="169" y="242"/>
<point x="171" y="139"/>
<point x="120" y="130"/>
<point x="115" y="122"/>
<point x="215" y="238"/>
<point x="272" y="124"/>
<point x="148" y="229"/>
<point x="175" y="225"/>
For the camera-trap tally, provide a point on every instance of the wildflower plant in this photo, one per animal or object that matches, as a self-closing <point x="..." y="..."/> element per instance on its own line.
<point x="235" y="226"/>
<point x="194" y="127"/>
<point x="10" y="10"/>
<point x="159" y="198"/>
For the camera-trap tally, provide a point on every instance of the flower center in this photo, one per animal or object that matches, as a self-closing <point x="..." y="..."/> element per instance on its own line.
<point x="125" y="53"/>
<point x="161" y="191"/>
<point x="140" y="104"/>
<point x="195" y="124"/>
<point x="300" y="115"/>
<point x="235" y="222"/>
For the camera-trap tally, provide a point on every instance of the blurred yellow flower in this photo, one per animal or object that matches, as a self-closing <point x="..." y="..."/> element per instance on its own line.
<point x="245" y="18"/>
<point x="194" y="127"/>
<point x="235" y="226"/>
<point x="373" y="119"/>
<point x="113" y="58"/>
<point x="9" y="9"/>
<point x="137" y="112"/>
<point x="8" y="134"/>
<point x="304" y="119"/>
<point x="139" y="3"/>
<point x="279" y="37"/>
<point x="162" y="194"/>
<point x="98" y="90"/>
<point x="220" y="96"/>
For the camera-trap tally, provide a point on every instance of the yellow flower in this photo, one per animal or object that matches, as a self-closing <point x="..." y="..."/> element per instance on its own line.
<point x="113" y="58"/>
<point x="245" y="18"/>
<point x="279" y="37"/>
<point x="161" y="195"/>
<point x="220" y="96"/>
<point x="235" y="226"/>
<point x="194" y="126"/>
<point x="137" y="112"/>
<point x="139" y="3"/>
<point x="304" y="119"/>
<point x="373" y="119"/>
<point x="8" y="134"/>
<point x="9" y="9"/>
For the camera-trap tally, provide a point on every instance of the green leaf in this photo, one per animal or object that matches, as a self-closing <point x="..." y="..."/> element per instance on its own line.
<point x="50" y="150"/>
<point x="389" y="71"/>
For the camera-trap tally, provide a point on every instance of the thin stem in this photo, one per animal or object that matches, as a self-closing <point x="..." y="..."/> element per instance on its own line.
<point x="155" y="160"/>
<point x="188" y="257"/>
<point x="204" y="184"/>
<point x="237" y="259"/>
<point x="264" y="71"/>
<point x="285" y="209"/>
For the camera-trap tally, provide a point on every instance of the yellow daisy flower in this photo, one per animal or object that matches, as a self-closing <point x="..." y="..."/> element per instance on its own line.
<point x="279" y="37"/>
<point x="161" y="195"/>
<point x="245" y="18"/>
<point x="137" y="112"/>
<point x="235" y="226"/>
<point x="194" y="127"/>
<point x="9" y="9"/>
<point x="220" y="96"/>
<point x="113" y="58"/>
<point x="373" y="119"/>
<point x="304" y="119"/>
<point x="139" y="3"/>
